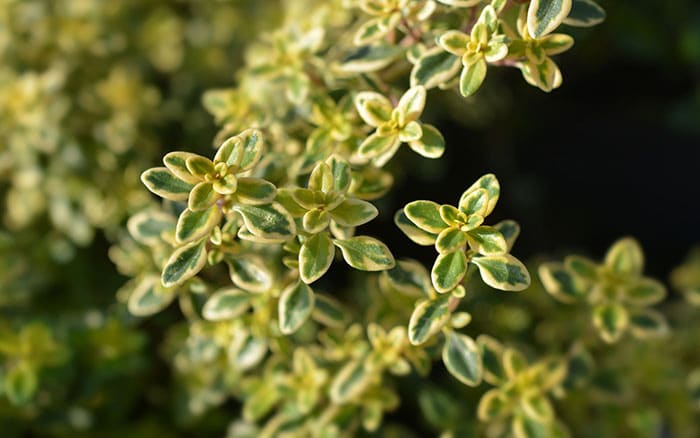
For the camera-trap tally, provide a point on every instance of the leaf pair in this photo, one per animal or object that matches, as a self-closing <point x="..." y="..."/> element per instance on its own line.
<point x="616" y="289"/>
<point x="460" y="238"/>
<point x="396" y="126"/>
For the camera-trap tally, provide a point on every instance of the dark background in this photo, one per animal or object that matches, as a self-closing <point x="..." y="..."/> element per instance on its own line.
<point x="614" y="151"/>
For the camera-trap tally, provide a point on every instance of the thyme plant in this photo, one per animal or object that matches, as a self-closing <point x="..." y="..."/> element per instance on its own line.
<point x="289" y="308"/>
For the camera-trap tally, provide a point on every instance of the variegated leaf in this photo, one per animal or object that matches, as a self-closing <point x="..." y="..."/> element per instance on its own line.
<point x="448" y="270"/>
<point x="268" y="221"/>
<point x="431" y="143"/>
<point x="488" y="182"/>
<point x="487" y="241"/>
<point x="366" y="253"/>
<point x="435" y="67"/>
<point x="315" y="257"/>
<point x="543" y="16"/>
<point x="350" y="382"/>
<point x="184" y="263"/>
<point x="411" y="230"/>
<point x="149" y="297"/>
<point x="177" y="163"/>
<point x="625" y="256"/>
<point x="255" y="191"/>
<point x="611" y="320"/>
<point x="648" y="323"/>
<point x="226" y="304"/>
<point x="425" y="215"/>
<point x="462" y="358"/>
<point x="428" y="318"/>
<point x="147" y="227"/>
<point x="585" y="13"/>
<point x="503" y="272"/>
<point x="354" y="212"/>
<point x="193" y="225"/>
<point x="560" y="283"/>
<point x="202" y="197"/>
<point x="295" y="306"/>
<point x="409" y="277"/>
<point x="249" y="272"/>
<point x="165" y="184"/>
<point x="472" y="77"/>
<point x="370" y="58"/>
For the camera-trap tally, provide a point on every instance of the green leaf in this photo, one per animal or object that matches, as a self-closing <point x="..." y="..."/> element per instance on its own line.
<point x="286" y="199"/>
<point x="315" y="257"/>
<point x="20" y="384"/>
<point x="409" y="277"/>
<point x="226" y="185"/>
<point x="428" y="318"/>
<point x="353" y="212"/>
<point x="487" y="241"/>
<point x="374" y="108"/>
<point x="268" y="221"/>
<point x="316" y="220"/>
<point x="645" y="292"/>
<point x="370" y="58"/>
<point x="147" y="227"/>
<point x="199" y="166"/>
<point x="625" y="257"/>
<point x="177" y="163"/>
<point x="543" y="16"/>
<point x="454" y="42"/>
<point x="242" y="151"/>
<point x="295" y="306"/>
<point x="431" y="144"/>
<point x="226" y="304"/>
<point x="413" y="232"/>
<point x="342" y="173"/>
<point x="202" y="197"/>
<point x="425" y="215"/>
<point x="537" y="407"/>
<point x="514" y="363"/>
<point x="369" y="31"/>
<point x="582" y="267"/>
<point x="450" y="239"/>
<point x="411" y="132"/>
<point x="149" y="297"/>
<point x="474" y="203"/>
<point x="556" y="43"/>
<point x="411" y="104"/>
<point x="448" y="270"/>
<point x="490" y="183"/>
<point x="184" y="263"/>
<point x="255" y="191"/>
<point x="648" y="323"/>
<point x="350" y="382"/>
<point x="165" y="184"/>
<point x="366" y="253"/>
<point x="435" y="67"/>
<point x="462" y="358"/>
<point x="560" y="283"/>
<point x="585" y="13"/>
<point x="503" y="272"/>
<point x="249" y="273"/>
<point x="193" y="225"/>
<point x="472" y="77"/>
<point x="491" y="352"/>
<point x="376" y="145"/>
<point x="492" y="405"/>
<point x="611" y="320"/>
<point x="510" y="231"/>
<point x="329" y="312"/>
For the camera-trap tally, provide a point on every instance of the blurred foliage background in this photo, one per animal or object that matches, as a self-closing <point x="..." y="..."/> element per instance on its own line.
<point x="93" y="92"/>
